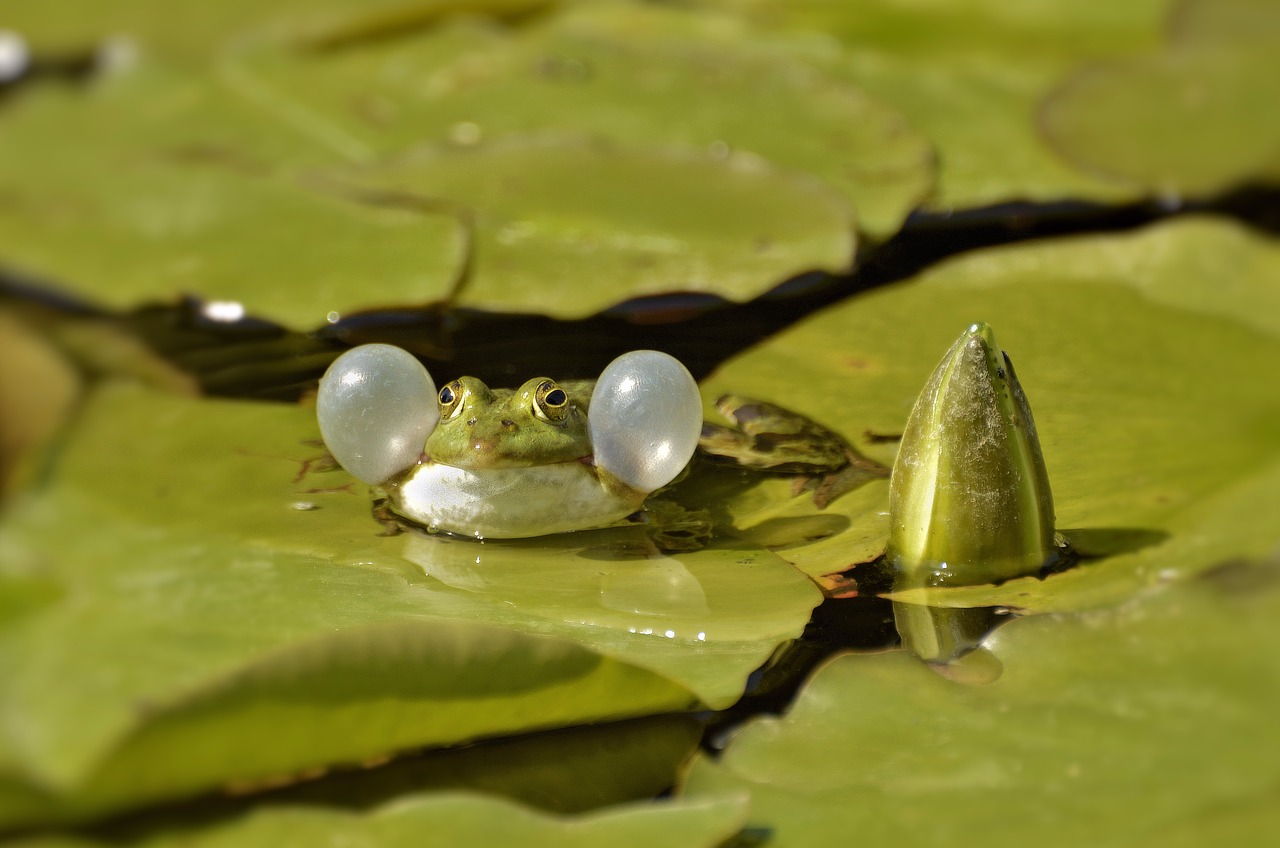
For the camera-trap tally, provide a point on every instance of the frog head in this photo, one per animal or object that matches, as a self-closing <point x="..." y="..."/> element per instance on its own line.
<point x="539" y="423"/>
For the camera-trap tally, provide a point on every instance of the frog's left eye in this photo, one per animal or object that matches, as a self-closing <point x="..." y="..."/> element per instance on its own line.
<point x="550" y="401"/>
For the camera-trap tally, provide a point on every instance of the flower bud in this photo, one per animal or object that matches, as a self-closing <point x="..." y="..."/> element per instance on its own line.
<point x="969" y="500"/>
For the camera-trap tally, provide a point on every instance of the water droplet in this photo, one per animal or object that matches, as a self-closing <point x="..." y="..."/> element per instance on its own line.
<point x="465" y="133"/>
<point x="223" y="311"/>
<point x="14" y="56"/>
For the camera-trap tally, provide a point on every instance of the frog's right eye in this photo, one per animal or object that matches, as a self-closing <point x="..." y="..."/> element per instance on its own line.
<point x="376" y="408"/>
<point x="550" y="402"/>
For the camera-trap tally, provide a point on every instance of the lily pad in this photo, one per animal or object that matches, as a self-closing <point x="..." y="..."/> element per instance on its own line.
<point x="29" y="420"/>
<point x="445" y="819"/>
<point x="1193" y="119"/>
<point x="968" y="75"/>
<point x="568" y="227"/>
<point x="633" y="74"/>
<point x="576" y="769"/>
<point x="204" y="30"/>
<point x="1110" y="728"/>
<point x="216" y="593"/>
<point x="1142" y="432"/>
<point x="1227" y="22"/>
<point x="182" y="192"/>
<point x="214" y="185"/>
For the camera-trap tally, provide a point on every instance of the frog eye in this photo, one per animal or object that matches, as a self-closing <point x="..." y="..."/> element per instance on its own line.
<point x="550" y="401"/>
<point x="645" y="419"/>
<point x="450" y="399"/>
<point x="375" y="409"/>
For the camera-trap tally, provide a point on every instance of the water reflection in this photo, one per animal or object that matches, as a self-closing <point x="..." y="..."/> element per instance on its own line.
<point x="659" y="586"/>
<point x="454" y="563"/>
<point x="611" y="578"/>
<point x="942" y="635"/>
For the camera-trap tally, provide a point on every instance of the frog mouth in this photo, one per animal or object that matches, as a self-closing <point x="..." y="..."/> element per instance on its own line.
<point x="500" y="462"/>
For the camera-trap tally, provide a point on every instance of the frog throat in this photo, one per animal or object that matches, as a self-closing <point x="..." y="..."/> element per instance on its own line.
<point x="508" y="503"/>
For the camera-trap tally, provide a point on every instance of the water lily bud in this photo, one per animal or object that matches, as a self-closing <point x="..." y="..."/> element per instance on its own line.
<point x="969" y="500"/>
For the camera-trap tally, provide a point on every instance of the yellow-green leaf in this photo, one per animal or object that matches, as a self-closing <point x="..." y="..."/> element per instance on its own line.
<point x="233" y="617"/>
<point x="443" y="819"/>
<point x="1117" y="728"/>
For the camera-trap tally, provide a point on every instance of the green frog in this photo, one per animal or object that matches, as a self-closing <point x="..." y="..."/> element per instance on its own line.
<point x="549" y="457"/>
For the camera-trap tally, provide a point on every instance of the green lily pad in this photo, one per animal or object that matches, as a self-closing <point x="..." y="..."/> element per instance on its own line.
<point x="341" y="698"/>
<point x="203" y="30"/>
<point x="1053" y="29"/>
<point x="29" y="420"/>
<point x="576" y="769"/>
<point x="195" y="185"/>
<point x="1109" y="728"/>
<point x="765" y="512"/>
<point x="630" y="73"/>
<point x="1193" y="119"/>
<point x="182" y="192"/>
<point x="1144" y="434"/>
<point x="445" y="819"/>
<point x="215" y="592"/>
<point x="1226" y="22"/>
<point x="969" y="76"/>
<point x="568" y="227"/>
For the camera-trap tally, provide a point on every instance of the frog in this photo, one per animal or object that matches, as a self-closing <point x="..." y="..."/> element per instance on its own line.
<point x="504" y="463"/>
<point x="551" y="456"/>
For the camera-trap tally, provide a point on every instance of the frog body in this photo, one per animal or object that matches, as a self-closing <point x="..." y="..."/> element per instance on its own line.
<point x="511" y="464"/>
<point x="511" y="503"/>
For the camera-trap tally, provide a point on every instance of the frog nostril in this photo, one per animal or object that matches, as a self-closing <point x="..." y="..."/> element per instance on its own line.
<point x="471" y="422"/>
<point x="510" y="425"/>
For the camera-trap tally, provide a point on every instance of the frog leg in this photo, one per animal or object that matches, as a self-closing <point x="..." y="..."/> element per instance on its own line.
<point x="827" y="487"/>
<point x="392" y="524"/>
<point x="769" y="438"/>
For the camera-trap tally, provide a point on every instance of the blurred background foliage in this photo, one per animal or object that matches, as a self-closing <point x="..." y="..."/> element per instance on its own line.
<point x="206" y="638"/>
